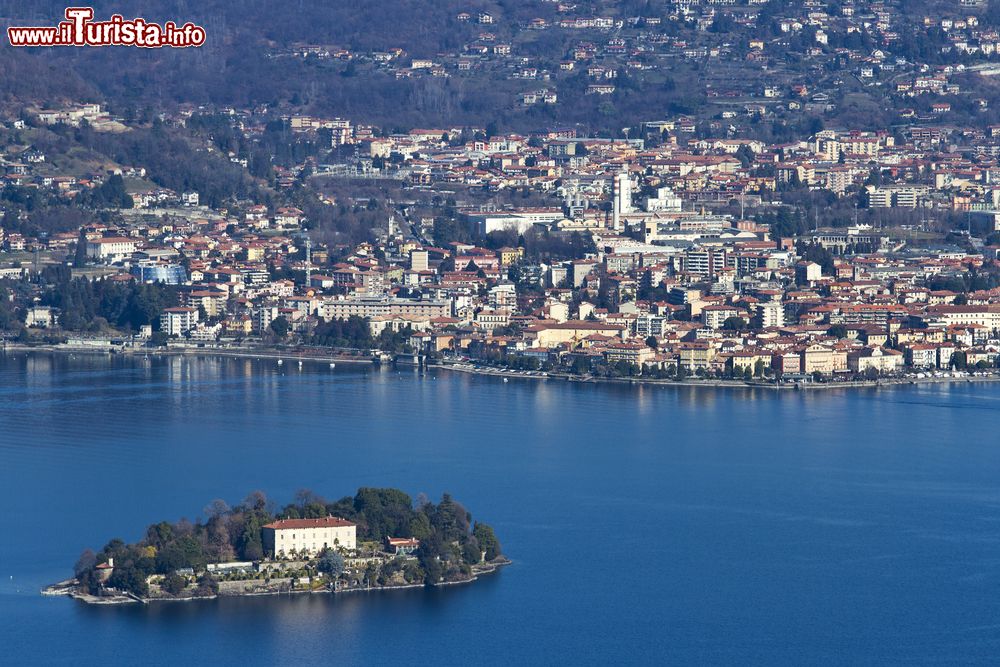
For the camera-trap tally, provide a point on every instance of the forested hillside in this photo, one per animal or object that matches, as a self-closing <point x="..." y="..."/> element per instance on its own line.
<point x="638" y="60"/>
<point x="237" y="66"/>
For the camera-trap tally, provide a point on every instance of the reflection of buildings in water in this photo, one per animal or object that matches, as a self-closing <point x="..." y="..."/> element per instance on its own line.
<point x="175" y="370"/>
<point x="39" y="371"/>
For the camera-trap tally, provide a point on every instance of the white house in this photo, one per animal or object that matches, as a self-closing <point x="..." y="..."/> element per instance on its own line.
<point x="110" y="248"/>
<point x="308" y="536"/>
<point x="42" y="317"/>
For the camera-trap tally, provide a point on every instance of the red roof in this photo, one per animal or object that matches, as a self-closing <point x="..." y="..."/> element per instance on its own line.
<point x="403" y="542"/>
<point x="327" y="522"/>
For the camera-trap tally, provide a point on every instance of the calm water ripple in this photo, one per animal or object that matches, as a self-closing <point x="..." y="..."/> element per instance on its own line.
<point x="648" y="525"/>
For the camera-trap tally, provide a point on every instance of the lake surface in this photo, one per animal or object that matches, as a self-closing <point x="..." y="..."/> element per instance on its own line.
<point x="647" y="525"/>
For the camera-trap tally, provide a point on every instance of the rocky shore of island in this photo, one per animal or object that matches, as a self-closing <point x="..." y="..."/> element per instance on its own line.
<point x="279" y="586"/>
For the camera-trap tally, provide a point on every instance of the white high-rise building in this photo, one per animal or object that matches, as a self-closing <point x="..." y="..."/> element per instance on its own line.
<point x="178" y="321"/>
<point x="574" y="201"/>
<point x="771" y="314"/>
<point x="665" y="200"/>
<point x="621" y="200"/>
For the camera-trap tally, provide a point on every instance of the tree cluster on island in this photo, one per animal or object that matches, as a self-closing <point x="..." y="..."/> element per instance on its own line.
<point x="172" y="559"/>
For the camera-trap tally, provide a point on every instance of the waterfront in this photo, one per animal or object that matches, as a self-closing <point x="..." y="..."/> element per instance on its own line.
<point x="699" y="524"/>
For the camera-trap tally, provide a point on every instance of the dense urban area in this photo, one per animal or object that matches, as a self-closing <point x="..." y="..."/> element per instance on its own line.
<point x="800" y="192"/>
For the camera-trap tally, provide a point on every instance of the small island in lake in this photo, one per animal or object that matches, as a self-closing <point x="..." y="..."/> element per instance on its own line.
<point x="377" y="539"/>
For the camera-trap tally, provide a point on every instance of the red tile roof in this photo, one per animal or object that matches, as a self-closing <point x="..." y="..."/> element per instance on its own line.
<point x="403" y="542"/>
<point x="327" y="522"/>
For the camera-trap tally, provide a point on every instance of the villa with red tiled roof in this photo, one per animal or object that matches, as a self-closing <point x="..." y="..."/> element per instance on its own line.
<point x="308" y="536"/>
<point x="402" y="545"/>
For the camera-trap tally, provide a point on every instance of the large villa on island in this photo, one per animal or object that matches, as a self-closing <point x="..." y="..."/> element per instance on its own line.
<point x="308" y="536"/>
<point x="379" y="538"/>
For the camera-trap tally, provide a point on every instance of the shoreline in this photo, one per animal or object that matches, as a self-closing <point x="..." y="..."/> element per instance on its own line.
<point x="192" y="351"/>
<point x="67" y="588"/>
<point x="334" y="358"/>
<point x="717" y="384"/>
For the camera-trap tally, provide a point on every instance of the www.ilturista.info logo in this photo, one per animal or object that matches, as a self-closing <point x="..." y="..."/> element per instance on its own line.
<point x="79" y="29"/>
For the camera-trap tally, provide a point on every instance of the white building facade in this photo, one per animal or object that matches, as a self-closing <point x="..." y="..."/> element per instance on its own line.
<point x="178" y="321"/>
<point x="308" y="536"/>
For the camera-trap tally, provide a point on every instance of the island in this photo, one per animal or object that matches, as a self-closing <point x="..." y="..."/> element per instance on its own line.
<point x="378" y="539"/>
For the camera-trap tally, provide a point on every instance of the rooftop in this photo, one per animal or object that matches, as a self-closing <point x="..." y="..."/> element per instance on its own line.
<point x="326" y="522"/>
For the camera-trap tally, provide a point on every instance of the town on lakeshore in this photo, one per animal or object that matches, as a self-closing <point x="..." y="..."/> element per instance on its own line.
<point x="812" y="200"/>
<point x="377" y="539"/>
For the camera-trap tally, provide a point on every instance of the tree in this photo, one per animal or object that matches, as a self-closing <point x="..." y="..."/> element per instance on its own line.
<point x="371" y="574"/>
<point x="216" y="508"/>
<point x="838" y="331"/>
<point x="80" y="257"/>
<point x="86" y="562"/>
<point x="111" y="194"/>
<point x="219" y="546"/>
<point x="471" y="551"/>
<point x="250" y="545"/>
<point x="383" y="512"/>
<point x="734" y="323"/>
<point x="129" y="579"/>
<point x="173" y="583"/>
<point x="256" y="501"/>
<point x="207" y="585"/>
<point x="449" y="519"/>
<point x="874" y="177"/>
<point x="580" y="365"/>
<point x="331" y="563"/>
<point x="280" y="326"/>
<point x="433" y="571"/>
<point x="487" y="540"/>
<point x="813" y="252"/>
<point x="179" y="553"/>
<point x="420" y="525"/>
<point x="160" y="534"/>
<point x="745" y="155"/>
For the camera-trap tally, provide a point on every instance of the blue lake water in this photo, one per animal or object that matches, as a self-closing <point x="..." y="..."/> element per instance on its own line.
<point x="647" y="525"/>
